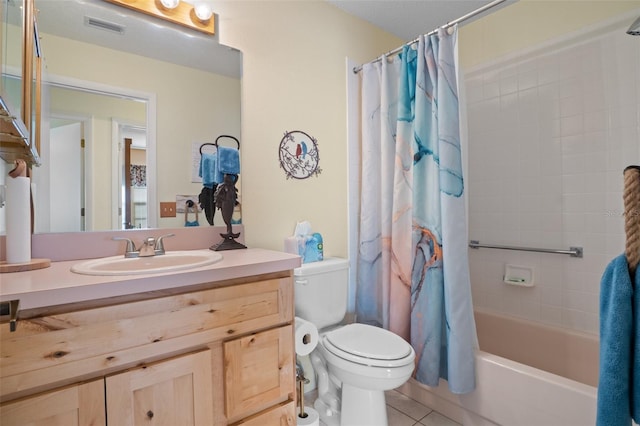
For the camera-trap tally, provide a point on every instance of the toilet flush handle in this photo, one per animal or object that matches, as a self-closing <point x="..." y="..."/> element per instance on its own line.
<point x="302" y="282"/>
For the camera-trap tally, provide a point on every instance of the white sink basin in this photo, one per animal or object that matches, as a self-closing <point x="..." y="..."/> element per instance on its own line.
<point x="171" y="261"/>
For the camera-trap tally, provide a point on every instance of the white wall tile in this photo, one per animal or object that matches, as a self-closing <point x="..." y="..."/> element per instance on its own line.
<point x="571" y="125"/>
<point x="553" y="134"/>
<point x="572" y="105"/>
<point x="551" y="315"/>
<point x="550" y="296"/>
<point x="508" y="84"/>
<point x="527" y="79"/>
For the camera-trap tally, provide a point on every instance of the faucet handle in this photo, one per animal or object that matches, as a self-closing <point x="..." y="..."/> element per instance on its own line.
<point x="131" y="247"/>
<point x="159" y="247"/>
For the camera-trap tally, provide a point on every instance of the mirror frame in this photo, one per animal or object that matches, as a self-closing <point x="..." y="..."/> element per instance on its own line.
<point x="22" y="134"/>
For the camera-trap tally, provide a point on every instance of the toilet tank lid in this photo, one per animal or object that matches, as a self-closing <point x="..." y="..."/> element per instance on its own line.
<point x="329" y="264"/>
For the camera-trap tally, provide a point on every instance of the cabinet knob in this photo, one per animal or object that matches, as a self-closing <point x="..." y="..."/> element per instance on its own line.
<point x="150" y="414"/>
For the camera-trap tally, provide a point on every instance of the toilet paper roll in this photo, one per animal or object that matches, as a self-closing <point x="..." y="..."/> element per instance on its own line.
<point x="312" y="419"/>
<point x="18" y="219"/>
<point x="306" y="336"/>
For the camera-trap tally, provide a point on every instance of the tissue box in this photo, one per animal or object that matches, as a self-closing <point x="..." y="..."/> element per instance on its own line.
<point x="309" y="247"/>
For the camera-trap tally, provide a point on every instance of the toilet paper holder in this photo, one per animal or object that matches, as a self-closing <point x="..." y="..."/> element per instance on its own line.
<point x="301" y="381"/>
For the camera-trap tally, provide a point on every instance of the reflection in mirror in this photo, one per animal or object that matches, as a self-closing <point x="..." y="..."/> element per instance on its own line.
<point x="84" y="161"/>
<point x="132" y="170"/>
<point x="153" y="81"/>
<point x="11" y="37"/>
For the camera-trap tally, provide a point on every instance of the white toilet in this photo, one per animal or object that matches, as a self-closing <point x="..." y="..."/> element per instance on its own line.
<point x="354" y="363"/>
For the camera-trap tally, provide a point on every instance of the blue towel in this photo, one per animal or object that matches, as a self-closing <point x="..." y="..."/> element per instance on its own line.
<point x="209" y="171"/>
<point x="617" y="359"/>
<point x="228" y="160"/>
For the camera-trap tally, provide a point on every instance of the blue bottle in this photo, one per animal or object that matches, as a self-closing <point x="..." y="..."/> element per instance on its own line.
<point x="313" y="251"/>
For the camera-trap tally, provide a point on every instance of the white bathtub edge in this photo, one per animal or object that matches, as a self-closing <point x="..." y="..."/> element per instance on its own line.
<point x="509" y="393"/>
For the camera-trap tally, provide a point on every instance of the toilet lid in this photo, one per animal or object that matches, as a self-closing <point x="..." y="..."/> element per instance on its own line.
<point x="369" y="345"/>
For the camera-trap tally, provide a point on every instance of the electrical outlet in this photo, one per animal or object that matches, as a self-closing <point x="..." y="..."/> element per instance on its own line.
<point x="168" y="209"/>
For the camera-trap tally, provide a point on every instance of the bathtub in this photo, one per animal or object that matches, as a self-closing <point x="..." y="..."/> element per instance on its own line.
<point x="528" y="374"/>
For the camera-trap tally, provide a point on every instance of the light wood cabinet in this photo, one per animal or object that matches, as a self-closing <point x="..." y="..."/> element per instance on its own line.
<point x="213" y="354"/>
<point x="258" y="370"/>
<point x="172" y="392"/>
<point x="280" y="415"/>
<point x="77" y="405"/>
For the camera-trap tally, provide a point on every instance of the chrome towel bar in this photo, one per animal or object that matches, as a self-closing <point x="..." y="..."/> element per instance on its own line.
<point x="573" y="251"/>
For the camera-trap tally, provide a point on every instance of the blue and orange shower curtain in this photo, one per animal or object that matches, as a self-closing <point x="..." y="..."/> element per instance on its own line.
<point x="412" y="267"/>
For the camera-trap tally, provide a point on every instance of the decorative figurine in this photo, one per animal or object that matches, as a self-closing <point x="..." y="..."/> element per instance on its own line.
<point x="225" y="200"/>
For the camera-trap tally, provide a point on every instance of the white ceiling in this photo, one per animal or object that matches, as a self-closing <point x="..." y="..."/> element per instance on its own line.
<point x="155" y="38"/>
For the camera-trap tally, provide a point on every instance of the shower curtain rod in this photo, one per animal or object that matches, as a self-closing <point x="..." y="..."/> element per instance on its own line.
<point x="469" y="15"/>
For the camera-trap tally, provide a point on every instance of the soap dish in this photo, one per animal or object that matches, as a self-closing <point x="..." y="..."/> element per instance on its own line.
<point x="518" y="275"/>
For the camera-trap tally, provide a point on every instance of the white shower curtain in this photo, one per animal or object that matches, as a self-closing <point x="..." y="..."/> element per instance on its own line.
<point x="412" y="267"/>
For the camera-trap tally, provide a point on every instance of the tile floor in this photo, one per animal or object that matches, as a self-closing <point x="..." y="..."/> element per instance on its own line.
<point x="404" y="411"/>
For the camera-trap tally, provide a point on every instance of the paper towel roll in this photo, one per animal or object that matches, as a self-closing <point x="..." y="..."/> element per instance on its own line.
<point x="312" y="419"/>
<point x="306" y="337"/>
<point x="18" y="220"/>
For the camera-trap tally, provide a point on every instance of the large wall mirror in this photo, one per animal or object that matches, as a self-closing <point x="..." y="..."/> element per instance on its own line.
<point x="128" y="99"/>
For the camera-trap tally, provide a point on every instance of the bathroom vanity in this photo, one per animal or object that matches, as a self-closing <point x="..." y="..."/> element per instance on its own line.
<point x="207" y="346"/>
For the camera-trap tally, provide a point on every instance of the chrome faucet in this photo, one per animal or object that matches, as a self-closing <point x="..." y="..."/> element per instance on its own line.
<point x="150" y="246"/>
<point x="130" y="251"/>
<point x="159" y="247"/>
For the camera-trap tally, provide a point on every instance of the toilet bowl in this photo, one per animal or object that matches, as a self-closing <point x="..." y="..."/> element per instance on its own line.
<point x="363" y="361"/>
<point x="355" y="363"/>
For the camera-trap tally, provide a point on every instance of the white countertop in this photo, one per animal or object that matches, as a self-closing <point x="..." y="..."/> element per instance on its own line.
<point x="57" y="285"/>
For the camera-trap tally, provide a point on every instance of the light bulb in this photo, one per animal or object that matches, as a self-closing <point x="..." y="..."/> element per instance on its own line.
<point x="203" y="11"/>
<point x="170" y="4"/>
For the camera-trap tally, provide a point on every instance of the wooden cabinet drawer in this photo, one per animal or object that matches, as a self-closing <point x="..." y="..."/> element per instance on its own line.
<point x="77" y="405"/>
<point x="259" y="372"/>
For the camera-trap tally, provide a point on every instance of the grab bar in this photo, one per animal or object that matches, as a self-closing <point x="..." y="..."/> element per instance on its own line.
<point x="573" y="251"/>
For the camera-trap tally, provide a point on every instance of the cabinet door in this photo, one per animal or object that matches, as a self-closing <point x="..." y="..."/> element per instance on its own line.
<point x="258" y="371"/>
<point x="80" y="405"/>
<point x="171" y="392"/>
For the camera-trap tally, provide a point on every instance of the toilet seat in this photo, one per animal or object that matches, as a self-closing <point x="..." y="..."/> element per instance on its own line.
<point x="368" y="345"/>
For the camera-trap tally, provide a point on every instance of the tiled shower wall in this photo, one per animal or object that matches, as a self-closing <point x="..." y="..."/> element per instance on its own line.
<point x="550" y="133"/>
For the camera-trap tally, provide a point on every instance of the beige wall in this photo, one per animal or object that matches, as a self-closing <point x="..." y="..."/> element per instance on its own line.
<point x="294" y="78"/>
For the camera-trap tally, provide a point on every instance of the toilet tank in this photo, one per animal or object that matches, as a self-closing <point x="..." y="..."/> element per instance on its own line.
<point x="321" y="291"/>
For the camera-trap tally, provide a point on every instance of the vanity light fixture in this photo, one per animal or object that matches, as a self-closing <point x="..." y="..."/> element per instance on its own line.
<point x="198" y="16"/>
<point x="170" y="4"/>
<point x="203" y="11"/>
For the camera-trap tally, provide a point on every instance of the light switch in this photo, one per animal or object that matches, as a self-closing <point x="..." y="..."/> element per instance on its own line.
<point x="168" y="209"/>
